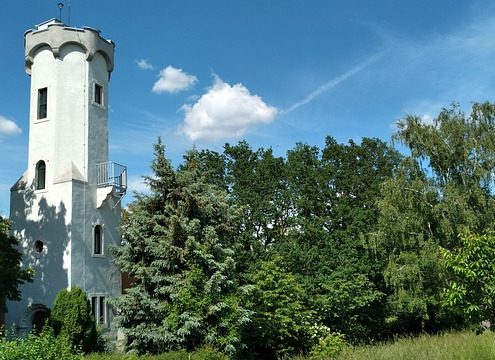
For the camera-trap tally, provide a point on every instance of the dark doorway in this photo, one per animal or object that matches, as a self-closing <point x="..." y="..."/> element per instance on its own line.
<point x="39" y="320"/>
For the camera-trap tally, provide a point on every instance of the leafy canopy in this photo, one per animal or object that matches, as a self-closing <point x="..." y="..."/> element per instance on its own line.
<point x="12" y="274"/>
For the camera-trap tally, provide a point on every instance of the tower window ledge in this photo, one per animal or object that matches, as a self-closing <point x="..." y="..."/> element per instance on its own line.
<point x="98" y="105"/>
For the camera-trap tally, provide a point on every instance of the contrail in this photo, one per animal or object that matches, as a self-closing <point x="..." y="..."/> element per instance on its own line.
<point x="333" y="83"/>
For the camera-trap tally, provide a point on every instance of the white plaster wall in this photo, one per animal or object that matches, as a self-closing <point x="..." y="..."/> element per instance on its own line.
<point x="69" y="101"/>
<point x="41" y="215"/>
<point x="41" y="132"/>
<point x="98" y="126"/>
<point x="71" y="140"/>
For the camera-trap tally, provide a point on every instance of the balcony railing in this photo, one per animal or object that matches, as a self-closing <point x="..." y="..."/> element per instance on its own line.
<point x="112" y="174"/>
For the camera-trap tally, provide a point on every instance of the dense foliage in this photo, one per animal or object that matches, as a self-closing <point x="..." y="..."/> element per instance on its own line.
<point x="180" y="243"/>
<point x="71" y="319"/>
<point x="471" y="271"/>
<point x="205" y="353"/>
<point x="262" y="256"/>
<point x="43" y="346"/>
<point x="12" y="275"/>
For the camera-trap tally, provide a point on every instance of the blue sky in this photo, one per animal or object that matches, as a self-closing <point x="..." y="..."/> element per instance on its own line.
<point x="202" y="73"/>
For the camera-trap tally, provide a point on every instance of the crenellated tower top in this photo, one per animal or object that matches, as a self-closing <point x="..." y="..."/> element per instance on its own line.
<point x="55" y="34"/>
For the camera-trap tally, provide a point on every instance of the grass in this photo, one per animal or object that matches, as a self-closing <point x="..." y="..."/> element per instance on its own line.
<point x="202" y="354"/>
<point x="450" y="346"/>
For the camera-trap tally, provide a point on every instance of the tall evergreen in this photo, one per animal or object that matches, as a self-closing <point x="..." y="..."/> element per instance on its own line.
<point x="179" y="247"/>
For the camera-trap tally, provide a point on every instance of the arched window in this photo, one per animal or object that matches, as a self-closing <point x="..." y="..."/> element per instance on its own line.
<point x="98" y="241"/>
<point x="40" y="175"/>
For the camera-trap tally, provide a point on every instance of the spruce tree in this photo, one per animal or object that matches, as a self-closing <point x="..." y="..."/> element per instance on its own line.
<point x="179" y="246"/>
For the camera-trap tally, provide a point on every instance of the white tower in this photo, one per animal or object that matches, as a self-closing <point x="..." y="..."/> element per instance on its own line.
<point x="66" y="206"/>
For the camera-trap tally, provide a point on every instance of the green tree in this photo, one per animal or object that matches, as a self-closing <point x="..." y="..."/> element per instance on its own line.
<point x="71" y="318"/>
<point x="213" y="166"/>
<point x="407" y="250"/>
<point x="179" y="247"/>
<point x="12" y="274"/>
<point x="460" y="153"/>
<point x="470" y="272"/>
<point x="257" y="184"/>
<point x="281" y="322"/>
<point x="443" y="188"/>
<point x="333" y="201"/>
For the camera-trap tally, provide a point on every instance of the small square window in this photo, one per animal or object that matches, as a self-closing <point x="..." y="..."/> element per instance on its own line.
<point x="98" y="94"/>
<point x="42" y="103"/>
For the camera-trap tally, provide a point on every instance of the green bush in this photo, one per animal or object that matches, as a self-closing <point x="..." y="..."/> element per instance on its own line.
<point x="329" y="346"/>
<point x="205" y="353"/>
<point x="280" y="323"/>
<point x="44" y="346"/>
<point x="71" y="318"/>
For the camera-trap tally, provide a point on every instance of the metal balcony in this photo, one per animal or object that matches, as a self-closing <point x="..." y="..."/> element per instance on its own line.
<point x="112" y="174"/>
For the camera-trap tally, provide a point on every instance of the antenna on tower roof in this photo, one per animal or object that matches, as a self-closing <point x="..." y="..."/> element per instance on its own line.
<point x="60" y="7"/>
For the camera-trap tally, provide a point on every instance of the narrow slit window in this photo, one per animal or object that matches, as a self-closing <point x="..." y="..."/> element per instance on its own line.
<point x="98" y="94"/>
<point x="98" y="241"/>
<point x="94" y="305"/>
<point x="40" y="176"/>
<point x="99" y="309"/>
<point x="42" y="103"/>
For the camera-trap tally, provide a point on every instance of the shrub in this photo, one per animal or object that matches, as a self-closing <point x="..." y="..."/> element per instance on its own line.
<point x="71" y="318"/>
<point x="280" y="325"/>
<point x="44" y="346"/>
<point x="204" y="353"/>
<point x="329" y="346"/>
<point x="207" y="353"/>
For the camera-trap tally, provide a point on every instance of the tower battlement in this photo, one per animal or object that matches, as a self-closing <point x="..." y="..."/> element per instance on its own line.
<point x="55" y="34"/>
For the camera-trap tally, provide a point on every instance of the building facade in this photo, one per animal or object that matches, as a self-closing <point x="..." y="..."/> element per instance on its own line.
<point x="65" y="208"/>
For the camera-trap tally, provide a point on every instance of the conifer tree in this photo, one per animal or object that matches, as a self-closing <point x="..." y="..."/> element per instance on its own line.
<point x="179" y="246"/>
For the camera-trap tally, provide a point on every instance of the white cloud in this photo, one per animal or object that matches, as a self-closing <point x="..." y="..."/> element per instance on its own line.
<point x="225" y="111"/>
<point x="174" y="80"/>
<point x="427" y="119"/>
<point x="137" y="184"/>
<point x="143" y="64"/>
<point x="426" y="110"/>
<point x="8" y="127"/>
